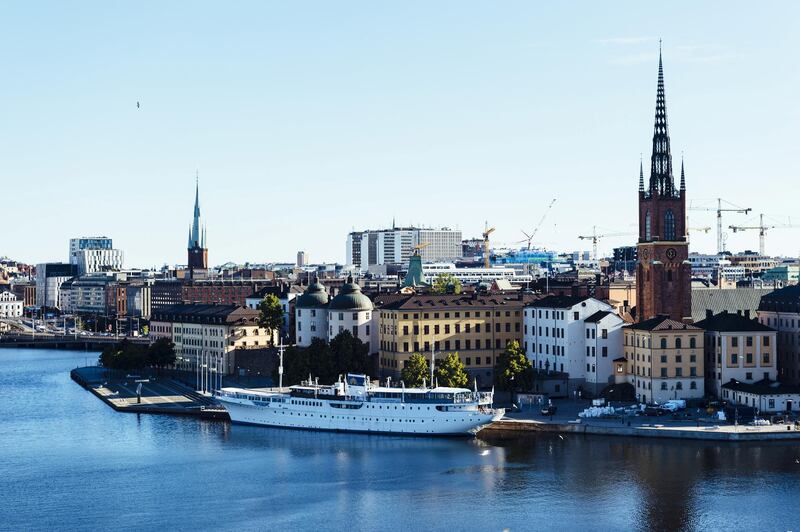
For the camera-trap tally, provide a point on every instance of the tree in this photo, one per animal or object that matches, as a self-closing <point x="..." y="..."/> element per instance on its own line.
<point x="271" y="317"/>
<point x="161" y="353"/>
<point x="350" y="354"/>
<point x="513" y="369"/>
<point x="450" y="372"/>
<point x="415" y="371"/>
<point x="124" y="356"/>
<point x="446" y="283"/>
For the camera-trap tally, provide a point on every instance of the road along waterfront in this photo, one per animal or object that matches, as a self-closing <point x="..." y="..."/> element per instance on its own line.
<point x="71" y="462"/>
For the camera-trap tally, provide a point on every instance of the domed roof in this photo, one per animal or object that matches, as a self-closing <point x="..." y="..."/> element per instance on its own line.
<point x="351" y="298"/>
<point x="314" y="296"/>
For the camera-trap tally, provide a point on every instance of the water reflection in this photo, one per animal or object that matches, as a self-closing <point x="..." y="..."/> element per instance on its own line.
<point x="96" y="463"/>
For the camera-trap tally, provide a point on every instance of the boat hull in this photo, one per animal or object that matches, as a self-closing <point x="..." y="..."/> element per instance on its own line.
<point x="422" y="420"/>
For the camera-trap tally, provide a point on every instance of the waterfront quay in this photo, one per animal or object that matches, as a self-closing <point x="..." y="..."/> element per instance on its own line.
<point x="156" y="395"/>
<point x="567" y="421"/>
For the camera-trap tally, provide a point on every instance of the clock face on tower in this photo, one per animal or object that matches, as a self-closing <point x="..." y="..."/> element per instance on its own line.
<point x="671" y="253"/>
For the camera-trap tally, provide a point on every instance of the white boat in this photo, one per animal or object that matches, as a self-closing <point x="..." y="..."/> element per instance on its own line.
<point x="356" y="405"/>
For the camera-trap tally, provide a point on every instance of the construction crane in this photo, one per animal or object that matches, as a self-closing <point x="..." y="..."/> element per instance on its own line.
<point x="762" y="231"/>
<point x="720" y="209"/>
<point x="594" y="237"/>
<point x="486" y="232"/>
<point x="536" y="229"/>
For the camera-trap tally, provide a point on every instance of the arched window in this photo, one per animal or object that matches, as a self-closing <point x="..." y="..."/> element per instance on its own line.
<point x="669" y="225"/>
<point x="663" y="343"/>
<point x="647" y="226"/>
<point x="679" y="385"/>
<point x="677" y="343"/>
<point x="693" y="385"/>
<point x="692" y="343"/>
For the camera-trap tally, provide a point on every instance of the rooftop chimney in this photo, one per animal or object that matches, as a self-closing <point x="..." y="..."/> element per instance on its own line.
<point x="709" y="313"/>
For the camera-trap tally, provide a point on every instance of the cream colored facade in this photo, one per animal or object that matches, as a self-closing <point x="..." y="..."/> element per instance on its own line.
<point x="664" y="363"/>
<point x="478" y="329"/>
<point x="744" y="356"/>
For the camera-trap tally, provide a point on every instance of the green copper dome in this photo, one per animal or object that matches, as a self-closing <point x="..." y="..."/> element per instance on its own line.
<point x="314" y="296"/>
<point x="350" y="298"/>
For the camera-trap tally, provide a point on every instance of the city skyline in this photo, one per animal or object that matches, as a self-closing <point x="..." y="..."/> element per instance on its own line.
<point x="335" y="120"/>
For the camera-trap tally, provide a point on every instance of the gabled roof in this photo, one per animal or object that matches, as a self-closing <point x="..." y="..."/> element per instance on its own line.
<point x="558" y="301"/>
<point x="209" y="314"/>
<point x="597" y="316"/>
<point x="661" y="323"/>
<point x="732" y="322"/>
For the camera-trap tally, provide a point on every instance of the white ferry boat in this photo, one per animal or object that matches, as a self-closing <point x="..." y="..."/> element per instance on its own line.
<point x="356" y="405"/>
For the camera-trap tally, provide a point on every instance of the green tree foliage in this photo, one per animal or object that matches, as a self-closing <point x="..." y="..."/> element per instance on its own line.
<point x="513" y="370"/>
<point x="450" y="372"/>
<point x="271" y="317"/>
<point x="124" y="356"/>
<point x="345" y="354"/>
<point x="415" y="371"/>
<point x="446" y="283"/>
<point x="161" y="353"/>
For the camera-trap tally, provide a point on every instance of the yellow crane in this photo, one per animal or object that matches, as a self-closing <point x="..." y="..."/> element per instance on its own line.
<point x="486" y="232"/>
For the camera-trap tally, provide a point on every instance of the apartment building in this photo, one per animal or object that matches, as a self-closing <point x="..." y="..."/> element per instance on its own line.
<point x="664" y="359"/>
<point x="10" y="305"/>
<point x="396" y="245"/>
<point x="737" y="348"/>
<point x="477" y="326"/>
<point x="577" y="336"/>
<point x="207" y="336"/>
<point x="780" y="310"/>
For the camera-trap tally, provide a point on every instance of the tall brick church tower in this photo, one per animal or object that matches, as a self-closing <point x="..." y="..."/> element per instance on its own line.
<point x="663" y="273"/>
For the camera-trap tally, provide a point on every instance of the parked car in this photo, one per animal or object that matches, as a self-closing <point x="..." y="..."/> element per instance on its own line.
<point x="549" y="410"/>
<point x="654" y="410"/>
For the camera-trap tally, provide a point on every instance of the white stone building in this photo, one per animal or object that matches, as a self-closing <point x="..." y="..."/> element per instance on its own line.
<point x="49" y="278"/>
<point x="10" y="305"/>
<point x="557" y="338"/>
<point x="311" y="315"/>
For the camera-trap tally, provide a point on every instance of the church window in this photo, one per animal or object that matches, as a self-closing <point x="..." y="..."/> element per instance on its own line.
<point x="669" y="225"/>
<point x="647" y="227"/>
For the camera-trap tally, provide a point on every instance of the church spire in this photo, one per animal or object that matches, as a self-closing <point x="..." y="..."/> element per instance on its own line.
<point x="641" y="174"/>
<point x="196" y="232"/>
<point x="683" y="176"/>
<point x="661" y="181"/>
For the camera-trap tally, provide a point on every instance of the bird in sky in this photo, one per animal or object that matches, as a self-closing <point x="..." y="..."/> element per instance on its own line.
<point x="137" y="105"/>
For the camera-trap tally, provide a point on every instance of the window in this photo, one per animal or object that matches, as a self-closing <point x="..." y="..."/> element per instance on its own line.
<point x="749" y="375"/>
<point x="679" y="372"/>
<point x="677" y="343"/>
<point x="663" y="385"/>
<point x="604" y="334"/>
<point x="734" y="359"/>
<point x="692" y="385"/>
<point x="765" y="358"/>
<point x="692" y="343"/>
<point x="766" y="341"/>
<point x="576" y="315"/>
<point x="605" y="351"/>
<point x="663" y="343"/>
<point x="647" y="226"/>
<point x="426" y="329"/>
<point x="447" y="329"/>
<point x="669" y="225"/>
<point x="405" y="329"/>
<point x="679" y="385"/>
<point x="693" y="371"/>
<point x="749" y="358"/>
<point x="469" y="361"/>
<point x="663" y="372"/>
<point x="748" y="341"/>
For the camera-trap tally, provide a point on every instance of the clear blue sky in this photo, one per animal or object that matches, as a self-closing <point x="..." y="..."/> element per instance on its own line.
<point x="308" y="119"/>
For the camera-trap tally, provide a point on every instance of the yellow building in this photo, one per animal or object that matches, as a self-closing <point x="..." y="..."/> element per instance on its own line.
<point x="663" y="360"/>
<point x="478" y="327"/>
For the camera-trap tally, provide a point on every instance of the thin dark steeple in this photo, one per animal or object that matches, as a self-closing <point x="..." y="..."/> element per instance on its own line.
<point x="661" y="181"/>
<point x="641" y="174"/>
<point x="683" y="176"/>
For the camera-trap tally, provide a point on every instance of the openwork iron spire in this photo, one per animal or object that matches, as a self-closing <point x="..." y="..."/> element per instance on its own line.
<point x="661" y="182"/>
<point x="197" y="233"/>
<point x="641" y="174"/>
<point x="683" y="176"/>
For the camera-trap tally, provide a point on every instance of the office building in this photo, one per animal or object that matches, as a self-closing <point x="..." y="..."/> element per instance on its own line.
<point x="49" y="278"/>
<point x="780" y="310"/>
<point x="94" y="254"/>
<point x="396" y="245"/>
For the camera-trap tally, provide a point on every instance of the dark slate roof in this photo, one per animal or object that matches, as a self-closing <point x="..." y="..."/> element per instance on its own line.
<point x="661" y="323"/>
<point x="731" y="299"/>
<point x="762" y="387"/>
<point x="728" y="322"/>
<point x="784" y="300"/>
<point x="597" y="316"/>
<point x="208" y="314"/>
<point x="451" y="301"/>
<point x="558" y="301"/>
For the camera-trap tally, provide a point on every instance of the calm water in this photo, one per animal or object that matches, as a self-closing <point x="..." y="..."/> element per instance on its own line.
<point x="67" y="461"/>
